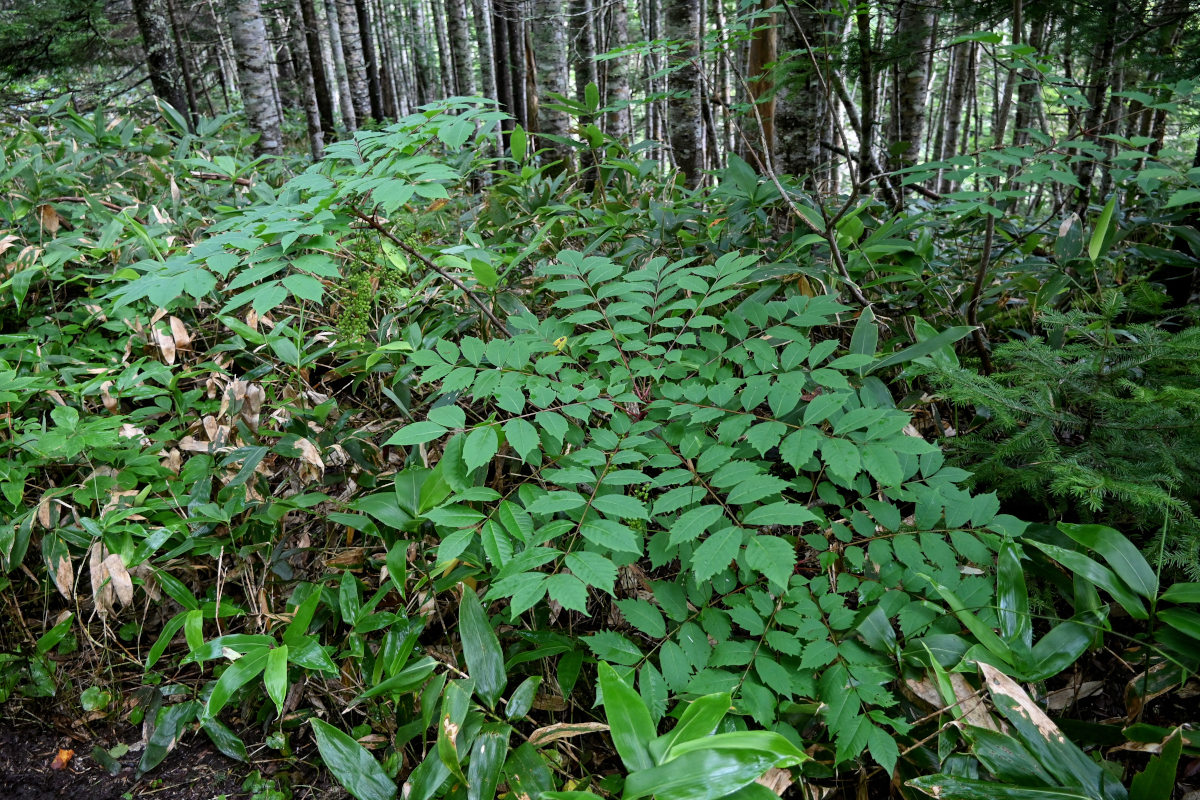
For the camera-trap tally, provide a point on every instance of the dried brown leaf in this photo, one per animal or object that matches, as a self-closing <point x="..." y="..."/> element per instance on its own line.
<point x="563" y="730"/>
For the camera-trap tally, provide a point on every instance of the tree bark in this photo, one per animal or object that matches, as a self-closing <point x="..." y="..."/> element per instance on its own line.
<point x="345" y="102"/>
<point x="366" y="31"/>
<point x="482" y="13"/>
<point x="445" y="56"/>
<point x="619" y="122"/>
<point x="249" y="35"/>
<point x="154" y="24"/>
<point x="548" y="35"/>
<point x="803" y="111"/>
<point x="682" y="27"/>
<point x="356" y="65"/>
<point x="312" y="41"/>
<point x="962" y="75"/>
<point x="308" y="83"/>
<point x="459" y="32"/>
<point x="419" y="39"/>
<point x="910" y="79"/>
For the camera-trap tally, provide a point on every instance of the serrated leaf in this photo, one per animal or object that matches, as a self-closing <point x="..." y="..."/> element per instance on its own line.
<point x="773" y="557"/>
<point x="568" y="591"/>
<point x="715" y="553"/>
<point x="522" y="436"/>
<point x="480" y="447"/>
<point x="593" y="569"/>
<point x="620" y="506"/>
<point x="643" y="616"/>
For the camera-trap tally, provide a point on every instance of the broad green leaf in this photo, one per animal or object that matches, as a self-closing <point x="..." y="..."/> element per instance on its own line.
<point x="1119" y="552"/>
<point x="1095" y="573"/>
<point x="628" y="719"/>
<point x="480" y="447"/>
<point x="522" y="436"/>
<point x="481" y="648"/>
<point x="235" y="676"/>
<point x="593" y="569"/>
<point x="1096" y="245"/>
<point x="353" y="766"/>
<point x="986" y="636"/>
<point x="770" y="742"/>
<point x="1182" y="593"/>
<point x="1157" y="780"/>
<point x="699" y="720"/>
<point x="1012" y="599"/>
<point x="922" y="348"/>
<point x="642" y="615"/>
<point x="416" y="433"/>
<point x="517" y="143"/>
<point x="773" y="557"/>
<point x="1182" y="620"/>
<point x="225" y="740"/>
<point x="952" y="787"/>
<point x="700" y="775"/>
<point x="275" y="676"/>
<point x="522" y="697"/>
<point x="168" y="727"/>
<point x="488" y="754"/>
<point x="620" y="506"/>
<point x="406" y="680"/>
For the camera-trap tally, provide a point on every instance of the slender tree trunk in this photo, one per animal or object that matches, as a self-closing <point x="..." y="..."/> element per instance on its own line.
<point x="616" y="84"/>
<point x="389" y="68"/>
<point x="583" y="45"/>
<point x="308" y="83"/>
<point x="548" y="36"/>
<point x="866" y="81"/>
<point x="312" y="42"/>
<point x="370" y="58"/>
<point x="421" y="49"/>
<point x="445" y="54"/>
<point x="682" y="26"/>
<point x="803" y="111"/>
<point x="760" y="72"/>
<point x="962" y="75"/>
<point x="503" y="67"/>
<point x="1099" y="75"/>
<point x="910" y="78"/>
<point x="183" y="53"/>
<point x="345" y="102"/>
<point x="281" y="54"/>
<point x="481" y="11"/>
<point x="356" y="65"/>
<point x="459" y="32"/>
<point x="517" y="59"/>
<point x="249" y="34"/>
<point x="154" y="24"/>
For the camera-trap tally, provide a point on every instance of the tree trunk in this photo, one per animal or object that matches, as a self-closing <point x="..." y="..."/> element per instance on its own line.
<point x="682" y="26"/>
<point x="503" y="67"/>
<point x="583" y="46"/>
<point x="866" y="81"/>
<point x="962" y="75"/>
<point x="154" y="24"/>
<point x="1099" y="74"/>
<point x="616" y="83"/>
<point x="459" y="32"/>
<point x="481" y="11"/>
<point x="910" y="79"/>
<point x="419" y="38"/>
<point x="279" y="35"/>
<point x="548" y="36"/>
<point x="345" y="102"/>
<point x="760" y="72"/>
<point x="803" y="111"/>
<point x="445" y="57"/>
<point x="308" y="83"/>
<point x="366" y="32"/>
<point x="312" y="41"/>
<point x="249" y="35"/>
<point x="356" y="65"/>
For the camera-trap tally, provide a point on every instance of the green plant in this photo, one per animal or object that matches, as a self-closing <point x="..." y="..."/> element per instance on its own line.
<point x="1096" y="420"/>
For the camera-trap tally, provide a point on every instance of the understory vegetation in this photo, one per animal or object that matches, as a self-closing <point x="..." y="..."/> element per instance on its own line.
<point x="485" y="477"/>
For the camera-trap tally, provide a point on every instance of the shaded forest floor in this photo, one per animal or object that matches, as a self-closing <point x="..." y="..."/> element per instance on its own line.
<point x="30" y="769"/>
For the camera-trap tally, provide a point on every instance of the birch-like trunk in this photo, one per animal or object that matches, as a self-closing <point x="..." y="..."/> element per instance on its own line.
<point x="803" y="109"/>
<point x="308" y="84"/>
<point x="356" y="65"/>
<point x="910" y="79"/>
<point x="459" y="32"/>
<point x="481" y="10"/>
<point x="549" y="38"/>
<point x="619" y="121"/>
<point x="366" y="32"/>
<point x="345" y="103"/>
<point x="682" y="27"/>
<point x="317" y="63"/>
<point x="248" y="33"/>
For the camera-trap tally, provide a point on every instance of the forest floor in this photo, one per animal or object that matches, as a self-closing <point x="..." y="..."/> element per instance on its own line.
<point x="33" y="766"/>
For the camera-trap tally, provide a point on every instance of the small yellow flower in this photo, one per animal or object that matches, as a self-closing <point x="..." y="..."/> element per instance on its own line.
<point x="560" y="343"/>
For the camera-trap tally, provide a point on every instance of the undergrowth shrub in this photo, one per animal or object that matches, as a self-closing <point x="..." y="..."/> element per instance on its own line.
<point x="1095" y="420"/>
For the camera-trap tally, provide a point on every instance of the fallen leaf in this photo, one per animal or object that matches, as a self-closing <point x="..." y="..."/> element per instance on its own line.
<point x="49" y="218"/>
<point x="63" y="759"/>
<point x="564" y="730"/>
<point x="64" y="578"/>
